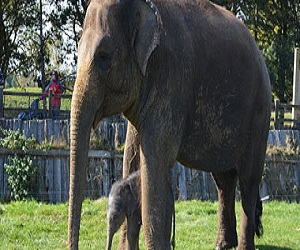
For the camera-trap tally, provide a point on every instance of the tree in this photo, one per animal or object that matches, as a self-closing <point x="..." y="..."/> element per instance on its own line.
<point x="38" y="35"/>
<point x="276" y="29"/>
<point x="275" y="25"/>
<point x="15" y="16"/>
<point x="66" y="21"/>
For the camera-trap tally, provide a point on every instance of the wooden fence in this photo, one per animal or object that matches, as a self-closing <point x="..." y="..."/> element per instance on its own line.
<point x="281" y="120"/>
<point x="281" y="179"/>
<point x="10" y="112"/>
<point x="52" y="177"/>
<point x="109" y="134"/>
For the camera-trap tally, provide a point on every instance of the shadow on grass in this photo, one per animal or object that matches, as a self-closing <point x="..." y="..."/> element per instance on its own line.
<point x="268" y="247"/>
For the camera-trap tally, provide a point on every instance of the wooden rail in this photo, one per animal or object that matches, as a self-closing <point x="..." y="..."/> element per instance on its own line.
<point x="281" y="179"/>
<point x="280" y="120"/>
<point x="48" y="113"/>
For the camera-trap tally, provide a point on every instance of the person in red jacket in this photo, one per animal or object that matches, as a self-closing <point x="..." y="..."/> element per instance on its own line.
<point x="57" y="88"/>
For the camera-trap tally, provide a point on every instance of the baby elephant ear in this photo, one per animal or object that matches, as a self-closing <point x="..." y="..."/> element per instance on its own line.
<point x="131" y="202"/>
<point x="147" y="31"/>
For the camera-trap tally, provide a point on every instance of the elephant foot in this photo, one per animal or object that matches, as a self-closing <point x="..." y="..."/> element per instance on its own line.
<point x="226" y="245"/>
<point x="226" y="242"/>
<point x="246" y="247"/>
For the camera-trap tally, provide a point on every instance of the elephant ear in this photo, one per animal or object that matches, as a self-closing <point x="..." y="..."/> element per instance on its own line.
<point x="146" y="31"/>
<point x="130" y="200"/>
<point x="133" y="192"/>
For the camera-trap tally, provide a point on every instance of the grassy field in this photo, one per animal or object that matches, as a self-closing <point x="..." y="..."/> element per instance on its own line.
<point x="24" y="102"/>
<point x="31" y="225"/>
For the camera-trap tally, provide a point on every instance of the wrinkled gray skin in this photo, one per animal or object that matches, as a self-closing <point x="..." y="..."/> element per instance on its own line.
<point x="194" y="87"/>
<point x="124" y="202"/>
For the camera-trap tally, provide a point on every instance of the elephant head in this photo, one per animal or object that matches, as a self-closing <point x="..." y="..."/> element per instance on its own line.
<point x="117" y="41"/>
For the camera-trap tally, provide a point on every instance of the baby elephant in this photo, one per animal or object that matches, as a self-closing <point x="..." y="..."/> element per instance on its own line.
<point x="125" y="202"/>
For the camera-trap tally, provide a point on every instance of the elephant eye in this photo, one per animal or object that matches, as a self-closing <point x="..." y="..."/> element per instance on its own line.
<point x="104" y="62"/>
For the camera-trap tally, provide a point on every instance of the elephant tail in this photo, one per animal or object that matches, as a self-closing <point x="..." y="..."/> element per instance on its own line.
<point x="258" y="213"/>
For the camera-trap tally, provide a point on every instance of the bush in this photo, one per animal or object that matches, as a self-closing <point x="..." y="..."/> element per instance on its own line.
<point x="21" y="171"/>
<point x="20" y="168"/>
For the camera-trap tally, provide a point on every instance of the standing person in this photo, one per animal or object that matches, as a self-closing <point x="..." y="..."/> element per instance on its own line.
<point x="57" y="88"/>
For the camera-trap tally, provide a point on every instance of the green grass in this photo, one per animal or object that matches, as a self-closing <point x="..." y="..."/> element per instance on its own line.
<point x="24" y="102"/>
<point x="31" y="225"/>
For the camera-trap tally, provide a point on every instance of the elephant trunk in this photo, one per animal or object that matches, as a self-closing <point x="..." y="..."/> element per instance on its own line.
<point x="82" y="116"/>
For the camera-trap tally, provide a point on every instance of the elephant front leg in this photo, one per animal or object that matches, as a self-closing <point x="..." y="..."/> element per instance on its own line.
<point x="133" y="232"/>
<point x="155" y="191"/>
<point x="131" y="163"/>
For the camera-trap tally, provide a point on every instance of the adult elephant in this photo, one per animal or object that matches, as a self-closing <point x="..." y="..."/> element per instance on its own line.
<point x="192" y="82"/>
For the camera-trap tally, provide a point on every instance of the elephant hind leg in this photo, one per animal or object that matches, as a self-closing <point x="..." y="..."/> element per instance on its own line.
<point x="249" y="179"/>
<point x="251" y="211"/>
<point x="226" y="185"/>
<point x="250" y="215"/>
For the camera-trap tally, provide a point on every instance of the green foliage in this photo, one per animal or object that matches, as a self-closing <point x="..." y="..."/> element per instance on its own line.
<point x="35" y="33"/>
<point x="32" y="225"/>
<point x="15" y="40"/>
<point x="67" y="21"/>
<point x="20" y="168"/>
<point x="20" y="171"/>
<point x="121" y="148"/>
<point x="14" y="140"/>
<point x="275" y="25"/>
<point x="98" y="142"/>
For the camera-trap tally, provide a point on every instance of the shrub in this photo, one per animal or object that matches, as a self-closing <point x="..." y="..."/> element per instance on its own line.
<point x="20" y="167"/>
<point x="20" y="172"/>
<point x="14" y="140"/>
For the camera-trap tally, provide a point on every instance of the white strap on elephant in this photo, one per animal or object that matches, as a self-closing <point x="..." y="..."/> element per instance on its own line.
<point x="156" y="12"/>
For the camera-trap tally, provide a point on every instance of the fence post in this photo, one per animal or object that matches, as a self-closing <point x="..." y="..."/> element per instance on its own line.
<point x="276" y="116"/>
<point x="50" y="104"/>
<point x="1" y="102"/>
<point x="281" y="117"/>
<point x="296" y="88"/>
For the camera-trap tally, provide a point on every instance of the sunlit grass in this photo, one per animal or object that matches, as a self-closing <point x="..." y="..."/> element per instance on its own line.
<point x="24" y="102"/>
<point x="32" y="225"/>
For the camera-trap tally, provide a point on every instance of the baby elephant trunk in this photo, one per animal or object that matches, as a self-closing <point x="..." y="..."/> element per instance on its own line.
<point x="110" y="236"/>
<point x="112" y="228"/>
